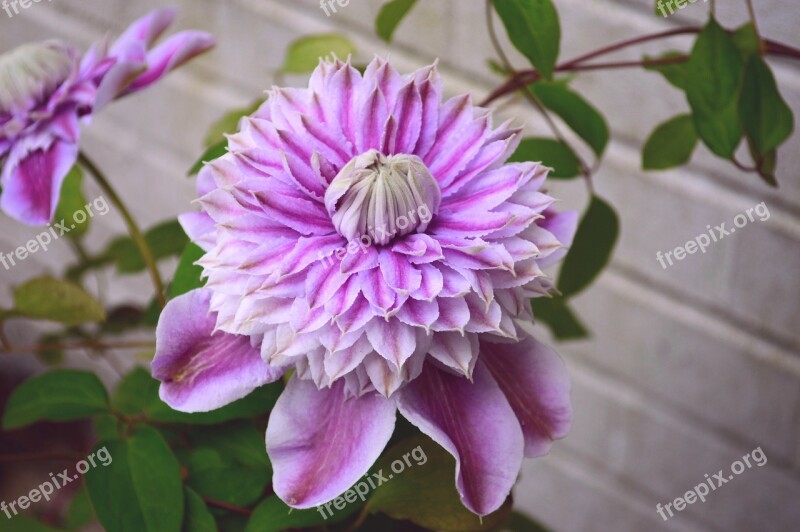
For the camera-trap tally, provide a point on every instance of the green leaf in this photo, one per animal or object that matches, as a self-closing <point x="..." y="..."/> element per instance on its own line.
<point x="714" y="75"/>
<point x="165" y="240"/>
<point x="61" y="395"/>
<point x="671" y="144"/>
<point x="197" y="517"/>
<point x="304" y="54"/>
<point x="218" y="476"/>
<point x="581" y="116"/>
<point x="137" y="393"/>
<point x="25" y="523"/>
<point x="765" y="164"/>
<point x="390" y="16"/>
<point x="72" y="200"/>
<point x="188" y="274"/>
<point x="51" y="299"/>
<point x="534" y="30"/>
<point x="242" y="441"/>
<point x="80" y="511"/>
<point x="519" y="522"/>
<point x="273" y="515"/>
<point x="767" y="119"/>
<point x="424" y="492"/>
<point x="51" y="356"/>
<point x="746" y="40"/>
<point x="550" y="152"/>
<point x="591" y="249"/>
<point x="559" y="317"/>
<point x="141" y="489"/>
<point x="229" y="123"/>
<point x="675" y="73"/>
<point x="215" y="151"/>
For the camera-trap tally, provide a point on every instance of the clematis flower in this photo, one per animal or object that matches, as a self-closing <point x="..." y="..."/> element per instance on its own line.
<point x="371" y="237"/>
<point x="47" y="89"/>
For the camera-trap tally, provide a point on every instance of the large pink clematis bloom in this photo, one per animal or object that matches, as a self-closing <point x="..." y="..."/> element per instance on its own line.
<point x="47" y="88"/>
<point x="371" y="237"/>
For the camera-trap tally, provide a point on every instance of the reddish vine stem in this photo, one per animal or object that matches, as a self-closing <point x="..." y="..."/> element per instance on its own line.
<point x="226" y="506"/>
<point x="525" y="77"/>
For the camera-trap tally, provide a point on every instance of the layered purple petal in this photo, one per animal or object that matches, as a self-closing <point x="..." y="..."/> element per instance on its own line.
<point x="200" y="370"/>
<point x="474" y="422"/>
<point x="535" y="382"/>
<point x="320" y="442"/>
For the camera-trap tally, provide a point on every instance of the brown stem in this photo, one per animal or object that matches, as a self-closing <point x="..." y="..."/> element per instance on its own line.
<point x="226" y="506"/>
<point x="630" y="42"/>
<point x="89" y="344"/>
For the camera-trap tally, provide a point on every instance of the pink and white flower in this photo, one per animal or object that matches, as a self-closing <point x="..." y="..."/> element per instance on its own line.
<point x="421" y="314"/>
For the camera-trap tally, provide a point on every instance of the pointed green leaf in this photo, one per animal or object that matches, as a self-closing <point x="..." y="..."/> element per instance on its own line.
<point x="390" y="16"/>
<point x="141" y="489"/>
<point x="559" y="318"/>
<point x="714" y="78"/>
<point x="51" y="299"/>
<point x="215" y="151"/>
<point x="746" y="40"/>
<point x="61" y="395"/>
<point x="72" y="201"/>
<point x="229" y="123"/>
<point x="304" y="54"/>
<point x="550" y="152"/>
<point x="581" y="116"/>
<point x="273" y="515"/>
<point x="674" y="73"/>
<point x="767" y="119"/>
<point x="591" y="249"/>
<point x="188" y="274"/>
<point x="197" y="517"/>
<point x="671" y="144"/>
<point x="534" y="30"/>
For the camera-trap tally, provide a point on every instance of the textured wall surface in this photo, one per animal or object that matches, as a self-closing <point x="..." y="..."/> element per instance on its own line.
<point x="688" y="369"/>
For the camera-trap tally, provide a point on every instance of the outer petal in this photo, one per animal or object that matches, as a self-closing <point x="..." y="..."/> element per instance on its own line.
<point x="474" y="423"/>
<point x="536" y="383"/>
<point x="32" y="182"/>
<point x="171" y="54"/>
<point x="320" y="442"/>
<point x="200" y="371"/>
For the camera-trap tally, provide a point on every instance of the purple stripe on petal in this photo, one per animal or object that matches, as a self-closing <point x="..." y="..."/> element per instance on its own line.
<point x="392" y="339"/>
<point x="32" y="182"/>
<point x="535" y="381"/>
<point x="320" y="442"/>
<point x="474" y="422"/>
<point x="401" y="276"/>
<point x="200" y="371"/>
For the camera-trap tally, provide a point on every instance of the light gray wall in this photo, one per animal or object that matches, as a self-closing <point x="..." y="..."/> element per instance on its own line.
<point x="688" y="369"/>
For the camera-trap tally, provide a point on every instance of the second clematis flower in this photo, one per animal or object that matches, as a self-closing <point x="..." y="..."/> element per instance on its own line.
<point x="370" y="236"/>
<point x="47" y="89"/>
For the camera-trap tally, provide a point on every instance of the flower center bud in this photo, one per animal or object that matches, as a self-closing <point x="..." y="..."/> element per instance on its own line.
<point x="382" y="197"/>
<point x="31" y="72"/>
